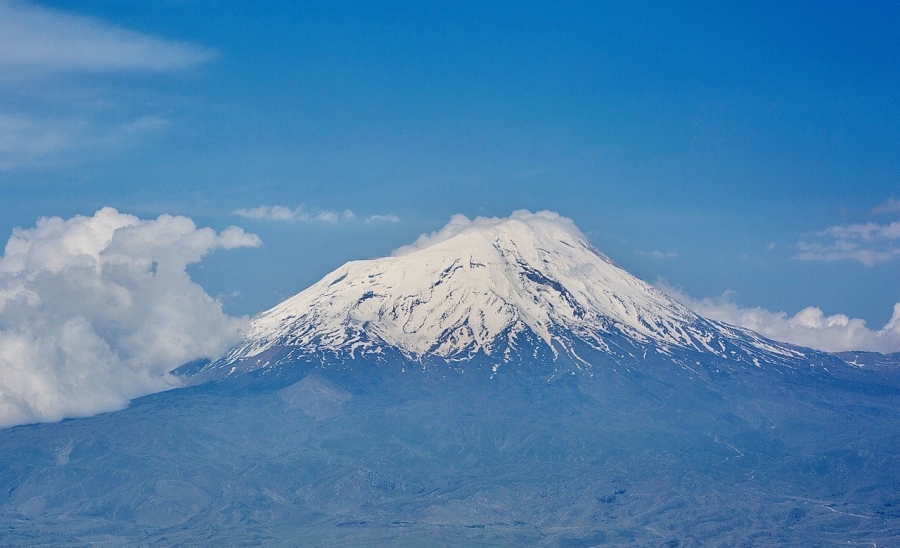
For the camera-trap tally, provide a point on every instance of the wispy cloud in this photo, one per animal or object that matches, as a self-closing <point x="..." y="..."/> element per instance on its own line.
<point x="334" y="217"/>
<point x="24" y="139"/>
<point x="301" y="214"/>
<point x="389" y="218"/>
<point x="867" y="243"/>
<point x="298" y="214"/>
<point x="54" y="101"/>
<point x="891" y="205"/>
<point x="27" y="139"/>
<point x="809" y="327"/>
<point x="658" y="254"/>
<point x="39" y="40"/>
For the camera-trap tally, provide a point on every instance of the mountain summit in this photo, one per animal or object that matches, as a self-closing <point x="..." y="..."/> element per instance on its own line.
<point x="529" y="285"/>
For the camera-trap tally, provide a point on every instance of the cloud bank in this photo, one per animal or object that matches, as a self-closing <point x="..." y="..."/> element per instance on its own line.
<point x="95" y="311"/>
<point x="810" y="327"/>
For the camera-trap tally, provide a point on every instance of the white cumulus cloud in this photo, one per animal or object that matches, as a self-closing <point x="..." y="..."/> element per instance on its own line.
<point x="809" y="327"/>
<point x="95" y="311"/>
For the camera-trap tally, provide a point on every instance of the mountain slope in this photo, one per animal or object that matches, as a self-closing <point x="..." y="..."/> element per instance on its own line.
<point x="495" y="290"/>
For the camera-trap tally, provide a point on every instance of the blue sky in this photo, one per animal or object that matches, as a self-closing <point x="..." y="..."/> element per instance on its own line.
<point x="748" y="148"/>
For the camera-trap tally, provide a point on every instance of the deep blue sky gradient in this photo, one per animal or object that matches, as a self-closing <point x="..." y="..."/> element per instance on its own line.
<point x="705" y="130"/>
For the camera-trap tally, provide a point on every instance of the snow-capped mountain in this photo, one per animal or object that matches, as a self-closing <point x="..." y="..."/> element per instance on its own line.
<point x="498" y="289"/>
<point x="499" y="382"/>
